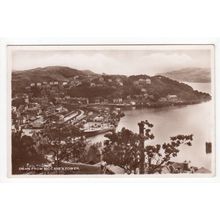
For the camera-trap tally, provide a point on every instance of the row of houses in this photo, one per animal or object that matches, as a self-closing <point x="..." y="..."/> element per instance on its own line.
<point x="92" y="84"/>
<point x="169" y="98"/>
<point x="99" y="100"/>
<point x="48" y="83"/>
<point x="142" y="82"/>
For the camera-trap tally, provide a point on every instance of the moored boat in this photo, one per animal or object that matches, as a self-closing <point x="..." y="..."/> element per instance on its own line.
<point x="97" y="129"/>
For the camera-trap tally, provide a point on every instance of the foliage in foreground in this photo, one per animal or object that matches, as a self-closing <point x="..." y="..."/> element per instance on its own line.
<point x="129" y="150"/>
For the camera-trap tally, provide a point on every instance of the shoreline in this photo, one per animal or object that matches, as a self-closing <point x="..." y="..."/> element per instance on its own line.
<point x="153" y="105"/>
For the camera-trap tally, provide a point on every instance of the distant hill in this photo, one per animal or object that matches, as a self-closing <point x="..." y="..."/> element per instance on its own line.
<point x="89" y="72"/>
<point x="50" y="73"/>
<point x="199" y="75"/>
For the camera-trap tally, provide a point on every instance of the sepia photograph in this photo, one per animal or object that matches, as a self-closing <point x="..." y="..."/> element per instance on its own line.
<point x="138" y="110"/>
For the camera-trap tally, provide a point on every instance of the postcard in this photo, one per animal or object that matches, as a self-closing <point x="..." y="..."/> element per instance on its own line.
<point x="124" y="110"/>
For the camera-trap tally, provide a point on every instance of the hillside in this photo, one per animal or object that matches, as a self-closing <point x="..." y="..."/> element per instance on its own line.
<point x="143" y="88"/>
<point x="198" y="75"/>
<point x="51" y="73"/>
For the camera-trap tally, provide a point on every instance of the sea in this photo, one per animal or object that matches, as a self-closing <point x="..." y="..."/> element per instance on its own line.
<point x="196" y="119"/>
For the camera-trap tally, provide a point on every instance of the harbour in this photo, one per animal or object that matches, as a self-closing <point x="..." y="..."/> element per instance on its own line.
<point x="173" y="120"/>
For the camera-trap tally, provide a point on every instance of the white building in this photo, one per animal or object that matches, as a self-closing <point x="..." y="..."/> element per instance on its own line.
<point x="121" y="83"/>
<point x="148" y="81"/>
<point x="117" y="100"/>
<point x="172" y="97"/>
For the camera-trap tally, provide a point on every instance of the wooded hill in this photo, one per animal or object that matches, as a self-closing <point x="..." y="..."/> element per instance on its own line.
<point x="105" y="85"/>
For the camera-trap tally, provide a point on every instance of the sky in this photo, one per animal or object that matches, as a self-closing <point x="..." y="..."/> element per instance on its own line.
<point x="122" y="60"/>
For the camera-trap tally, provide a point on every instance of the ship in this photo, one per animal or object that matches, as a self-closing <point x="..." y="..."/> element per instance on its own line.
<point x="97" y="129"/>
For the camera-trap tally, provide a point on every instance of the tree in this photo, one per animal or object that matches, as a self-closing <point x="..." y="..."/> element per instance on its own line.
<point x="122" y="149"/>
<point x="36" y="91"/>
<point x="94" y="153"/>
<point x="130" y="151"/>
<point x="23" y="152"/>
<point x="66" y="142"/>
